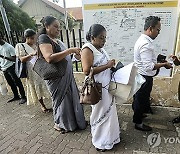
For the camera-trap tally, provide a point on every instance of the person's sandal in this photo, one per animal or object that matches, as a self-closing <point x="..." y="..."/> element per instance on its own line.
<point x="47" y="110"/>
<point x="101" y="150"/>
<point x="61" y="130"/>
<point x="176" y="120"/>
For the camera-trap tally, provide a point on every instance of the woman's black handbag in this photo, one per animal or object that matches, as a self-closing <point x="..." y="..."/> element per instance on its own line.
<point x="49" y="71"/>
<point x="20" y="67"/>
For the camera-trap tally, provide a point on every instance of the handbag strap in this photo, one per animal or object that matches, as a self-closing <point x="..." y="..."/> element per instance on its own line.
<point x="24" y="48"/>
<point x="53" y="47"/>
<point x="89" y="79"/>
<point x="112" y="76"/>
<point x="91" y="72"/>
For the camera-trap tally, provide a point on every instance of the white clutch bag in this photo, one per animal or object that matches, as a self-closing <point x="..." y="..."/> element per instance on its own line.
<point x="3" y="87"/>
<point x="120" y="90"/>
<point x="126" y="91"/>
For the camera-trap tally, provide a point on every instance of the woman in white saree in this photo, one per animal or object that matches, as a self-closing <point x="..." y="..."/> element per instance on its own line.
<point x="103" y="120"/>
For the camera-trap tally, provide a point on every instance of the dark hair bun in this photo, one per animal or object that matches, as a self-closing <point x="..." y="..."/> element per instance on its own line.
<point x="46" y="21"/>
<point x="29" y="33"/>
<point x="88" y="36"/>
<point x="94" y="30"/>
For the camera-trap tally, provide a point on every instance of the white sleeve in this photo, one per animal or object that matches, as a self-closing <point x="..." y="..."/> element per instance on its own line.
<point x="146" y="55"/>
<point x="19" y="50"/>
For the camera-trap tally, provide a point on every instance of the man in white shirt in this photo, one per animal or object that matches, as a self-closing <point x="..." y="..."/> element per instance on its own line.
<point x="7" y="65"/>
<point x="146" y="61"/>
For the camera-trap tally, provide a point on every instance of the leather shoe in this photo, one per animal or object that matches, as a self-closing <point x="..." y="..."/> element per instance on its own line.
<point x="176" y="120"/>
<point x="149" y="111"/>
<point x="144" y="115"/>
<point x="101" y="150"/>
<point x="143" y="127"/>
<point x="13" y="99"/>
<point x="23" y="100"/>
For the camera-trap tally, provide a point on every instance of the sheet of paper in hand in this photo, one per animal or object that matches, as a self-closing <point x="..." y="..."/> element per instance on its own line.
<point x="3" y="87"/>
<point x="126" y="74"/>
<point x="125" y="83"/>
<point x="33" y="60"/>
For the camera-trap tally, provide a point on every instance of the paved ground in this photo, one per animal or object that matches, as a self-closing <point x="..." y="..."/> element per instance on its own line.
<point x="25" y="129"/>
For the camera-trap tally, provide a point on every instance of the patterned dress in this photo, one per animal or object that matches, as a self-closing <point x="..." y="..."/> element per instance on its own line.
<point x="36" y="87"/>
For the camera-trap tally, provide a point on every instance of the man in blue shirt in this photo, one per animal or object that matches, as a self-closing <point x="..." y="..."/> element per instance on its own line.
<point x="7" y="65"/>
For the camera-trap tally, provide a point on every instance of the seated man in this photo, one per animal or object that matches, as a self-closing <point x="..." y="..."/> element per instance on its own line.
<point x="7" y="65"/>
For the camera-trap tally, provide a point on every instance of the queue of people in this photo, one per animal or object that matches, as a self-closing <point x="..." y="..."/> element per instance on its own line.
<point x="67" y="111"/>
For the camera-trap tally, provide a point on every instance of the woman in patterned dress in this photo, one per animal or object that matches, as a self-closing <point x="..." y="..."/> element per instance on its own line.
<point x="36" y="87"/>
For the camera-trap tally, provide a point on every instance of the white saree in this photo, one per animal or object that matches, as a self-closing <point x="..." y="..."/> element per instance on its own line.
<point x="104" y="119"/>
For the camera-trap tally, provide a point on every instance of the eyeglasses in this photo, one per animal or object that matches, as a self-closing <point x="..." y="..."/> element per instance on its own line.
<point x="158" y="30"/>
<point x="102" y="37"/>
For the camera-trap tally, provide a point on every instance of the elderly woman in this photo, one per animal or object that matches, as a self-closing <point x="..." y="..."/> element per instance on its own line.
<point x="68" y="112"/>
<point x="36" y="87"/>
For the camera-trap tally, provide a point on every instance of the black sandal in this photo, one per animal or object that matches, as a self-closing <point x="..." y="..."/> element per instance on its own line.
<point x="101" y="150"/>
<point x="61" y="130"/>
<point x="176" y="120"/>
<point x="47" y="110"/>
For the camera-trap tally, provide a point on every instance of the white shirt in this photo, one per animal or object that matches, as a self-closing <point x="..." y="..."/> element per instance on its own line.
<point x="144" y="56"/>
<point x="6" y="50"/>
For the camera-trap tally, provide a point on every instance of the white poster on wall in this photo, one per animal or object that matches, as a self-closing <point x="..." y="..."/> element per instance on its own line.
<point x="124" y="22"/>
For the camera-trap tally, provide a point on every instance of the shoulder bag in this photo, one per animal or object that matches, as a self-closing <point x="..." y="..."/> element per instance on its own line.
<point x="20" y="67"/>
<point x="49" y="71"/>
<point x="91" y="92"/>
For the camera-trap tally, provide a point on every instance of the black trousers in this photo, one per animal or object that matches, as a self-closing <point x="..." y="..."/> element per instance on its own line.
<point x="141" y="102"/>
<point x="14" y="82"/>
<point x="179" y="92"/>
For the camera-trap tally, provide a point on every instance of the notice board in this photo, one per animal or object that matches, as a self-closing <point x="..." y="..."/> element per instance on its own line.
<point x="124" y="23"/>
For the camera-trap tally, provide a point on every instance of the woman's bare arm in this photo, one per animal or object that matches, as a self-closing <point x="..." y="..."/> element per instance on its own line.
<point x="50" y="57"/>
<point x="26" y="58"/>
<point x="87" y="62"/>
